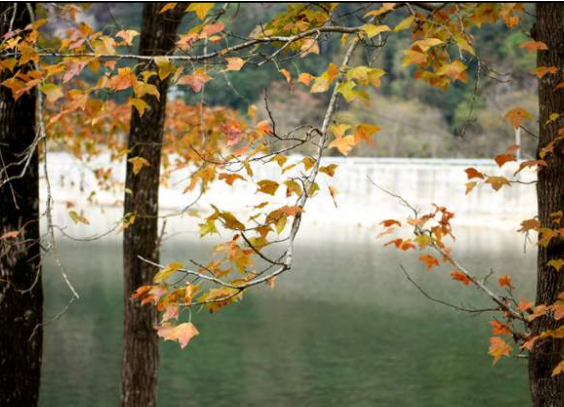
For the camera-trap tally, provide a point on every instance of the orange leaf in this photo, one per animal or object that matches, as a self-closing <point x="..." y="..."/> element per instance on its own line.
<point x="499" y="329"/>
<point x="473" y="173"/>
<point x="498" y="348"/>
<point x="533" y="46"/>
<point x="517" y="115"/>
<point x="543" y="70"/>
<point x="10" y="235"/>
<point x="505" y="281"/>
<point x="497" y="182"/>
<point x="463" y="278"/>
<point x="429" y="260"/>
<point x="234" y="64"/>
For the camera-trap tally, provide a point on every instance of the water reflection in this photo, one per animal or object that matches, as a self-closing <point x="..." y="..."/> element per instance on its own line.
<point x="343" y="328"/>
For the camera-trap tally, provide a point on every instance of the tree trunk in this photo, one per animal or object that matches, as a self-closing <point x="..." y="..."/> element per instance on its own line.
<point x="548" y="391"/>
<point x="21" y="293"/>
<point x="140" y="346"/>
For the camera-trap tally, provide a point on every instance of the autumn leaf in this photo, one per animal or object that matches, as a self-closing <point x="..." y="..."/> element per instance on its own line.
<point x="529" y="224"/>
<point x="499" y="329"/>
<point x="138" y="164"/>
<point x="234" y="64"/>
<point x="305" y="78"/>
<point x="517" y="115"/>
<point x="413" y="57"/>
<point x="76" y="218"/>
<point x="463" y="278"/>
<point x="428" y="43"/>
<point x="559" y="369"/>
<point x="52" y="91"/>
<point x="343" y="144"/>
<point x="498" y="348"/>
<point x="329" y="169"/>
<point x="429" y="261"/>
<point x="473" y="173"/>
<point x="168" y="271"/>
<point x="268" y="187"/>
<point x="182" y="333"/>
<point x="390" y="222"/>
<point x="333" y="192"/>
<point x="525" y="305"/>
<point x="128" y="35"/>
<point x="230" y="178"/>
<point x="534" y="46"/>
<point x="365" y="132"/>
<point x="372" y="30"/>
<point x="168" y="6"/>
<point x="455" y="71"/>
<point x="556" y="263"/>
<point x="404" y="24"/>
<point x="497" y="182"/>
<point x="541" y="71"/>
<point x="140" y="105"/>
<point x="200" y="9"/>
<point x="505" y="282"/>
<point x="196" y="81"/>
<point x="10" y="235"/>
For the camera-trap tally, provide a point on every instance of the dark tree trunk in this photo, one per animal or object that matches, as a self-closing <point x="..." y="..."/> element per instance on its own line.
<point x="140" y="347"/>
<point x="21" y="294"/>
<point x="548" y="391"/>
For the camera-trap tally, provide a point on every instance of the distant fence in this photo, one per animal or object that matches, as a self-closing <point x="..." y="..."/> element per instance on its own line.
<point x="421" y="181"/>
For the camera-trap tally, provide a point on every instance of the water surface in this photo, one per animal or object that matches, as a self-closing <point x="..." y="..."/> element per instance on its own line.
<point x="344" y="327"/>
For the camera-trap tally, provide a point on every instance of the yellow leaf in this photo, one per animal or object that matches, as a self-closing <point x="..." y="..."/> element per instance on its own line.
<point x="234" y="64"/>
<point x="404" y="24"/>
<point x="52" y="91"/>
<point x="343" y="144"/>
<point x="76" y="218"/>
<point x="268" y="187"/>
<point x="138" y="164"/>
<point x="372" y="30"/>
<point x="339" y="130"/>
<point x="140" y="105"/>
<point x="200" y="9"/>
<point x="497" y="182"/>
<point x="165" y="273"/>
<point x="556" y="263"/>
<point x="168" y="6"/>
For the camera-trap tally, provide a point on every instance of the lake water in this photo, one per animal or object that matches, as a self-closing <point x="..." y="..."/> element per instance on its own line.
<point x="343" y="328"/>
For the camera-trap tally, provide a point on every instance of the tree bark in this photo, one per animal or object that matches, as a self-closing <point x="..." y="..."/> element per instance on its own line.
<point x="548" y="391"/>
<point x="140" y="346"/>
<point x="21" y="293"/>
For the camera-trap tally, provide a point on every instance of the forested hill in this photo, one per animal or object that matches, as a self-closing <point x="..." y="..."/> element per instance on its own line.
<point x="416" y="120"/>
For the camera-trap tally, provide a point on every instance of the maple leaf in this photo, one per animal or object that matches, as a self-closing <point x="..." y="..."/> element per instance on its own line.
<point x="372" y="30"/>
<point x="404" y="24"/>
<point x="559" y="369"/>
<point x="499" y="329"/>
<point x="517" y="115"/>
<point x="556" y="263"/>
<point x="196" y="81"/>
<point x="52" y="91"/>
<point x="182" y="333"/>
<point x="76" y="218"/>
<point x="234" y="64"/>
<point x="455" y="71"/>
<point x="200" y="9"/>
<point x="267" y="187"/>
<point x="168" y="6"/>
<point x="140" y="105"/>
<point x="365" y="132"/>
<point x="473" y="173"/>
<point x="127" y="35"/>
<point x="463" y="278"/>
<point x="541" y="71"/>
<point x="10" y="235"/>
<point x="505" y="281"/>
<point x="168" y="271"/>
<point x="525" y="305"/>
<point x="497" y="182"/>
<point x="138" y="164"/>
<point x="329" y="169"/>
<point x="428" y="43"/>
<point x="230" y="178"/>
<point x="429" y="261"/>
<point x="529" y="224"/>
<point x="305" y="78"/>
<point x="413" y="57"/>
<point x="498" y="348"/>
<point x="343" y="144"/>
<point x="534" y="46"/>
<point x="141" y="291"/>
<point x="557" y="310"/>
<point x="390" y="222"/>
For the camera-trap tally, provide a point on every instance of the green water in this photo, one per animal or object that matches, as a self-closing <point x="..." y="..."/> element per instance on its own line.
<point x="344" y="328"/>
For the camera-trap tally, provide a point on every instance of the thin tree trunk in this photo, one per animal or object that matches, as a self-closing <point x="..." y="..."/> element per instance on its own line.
<point x="548" y="391"/>
<point x="140" y="346"/>
<point x="21" y="293"/>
